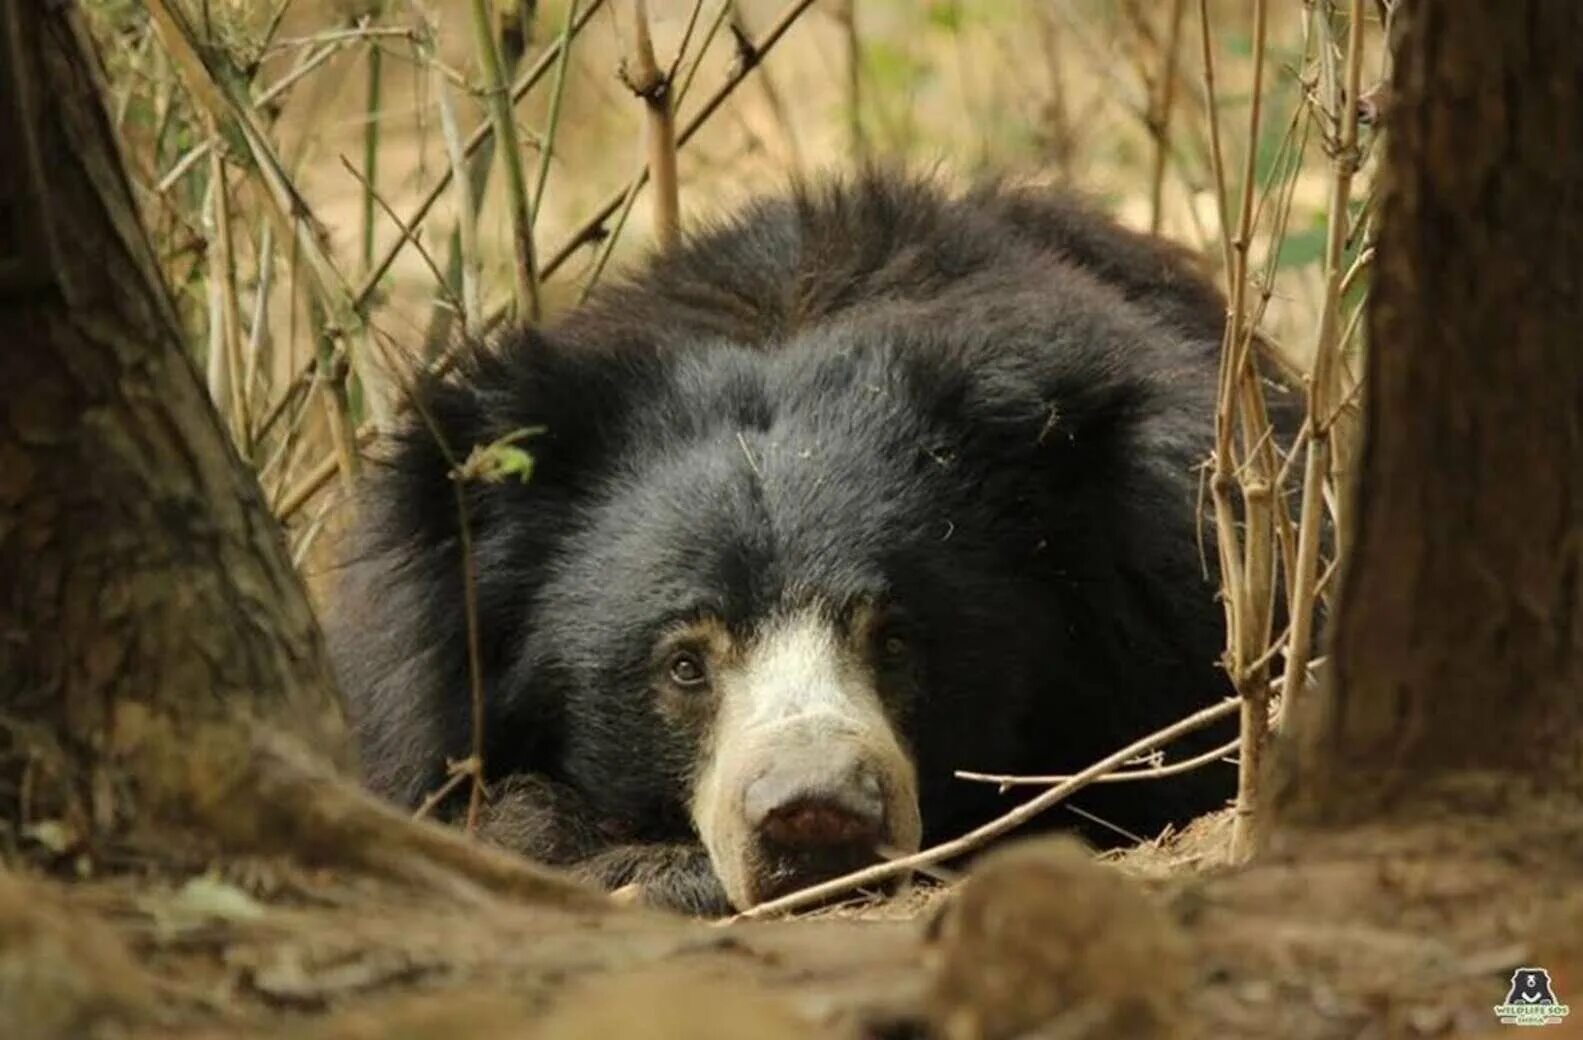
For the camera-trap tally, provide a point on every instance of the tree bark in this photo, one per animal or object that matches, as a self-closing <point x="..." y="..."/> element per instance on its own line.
<point x="1458" y="639"/>
<point x="146" y="594"/>
<point x="159" y="660"/>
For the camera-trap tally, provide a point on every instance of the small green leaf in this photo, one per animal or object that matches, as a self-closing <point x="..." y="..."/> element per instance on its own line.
<point x="500" y="460"/>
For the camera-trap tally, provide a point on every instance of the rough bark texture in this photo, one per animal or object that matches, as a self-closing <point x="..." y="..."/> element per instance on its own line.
<point x="145" y="591"/>
<point x="1458" y="643"/>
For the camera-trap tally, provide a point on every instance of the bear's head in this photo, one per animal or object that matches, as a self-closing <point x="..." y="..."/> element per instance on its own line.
<point x="755" y="593"/>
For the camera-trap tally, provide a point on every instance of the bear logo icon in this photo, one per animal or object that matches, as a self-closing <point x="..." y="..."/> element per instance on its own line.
<point x="1531" y="1000"/>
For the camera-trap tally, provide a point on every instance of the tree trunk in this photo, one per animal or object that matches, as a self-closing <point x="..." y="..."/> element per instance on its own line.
<point x="159" y="661"/>
<point x="1458" y="641"/>
<point x="146" y="594"/>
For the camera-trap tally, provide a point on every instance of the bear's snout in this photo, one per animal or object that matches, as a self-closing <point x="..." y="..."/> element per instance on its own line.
<point x="811" y="804"/>
<point x="813" y="815"/>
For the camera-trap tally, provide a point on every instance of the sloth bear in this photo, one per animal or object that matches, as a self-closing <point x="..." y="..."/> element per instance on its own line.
<point x="870" y="483"/>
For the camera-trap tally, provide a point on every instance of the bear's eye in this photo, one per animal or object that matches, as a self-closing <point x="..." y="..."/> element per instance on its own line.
<point x="893" y="647"/>
<point x="686" y="668"/>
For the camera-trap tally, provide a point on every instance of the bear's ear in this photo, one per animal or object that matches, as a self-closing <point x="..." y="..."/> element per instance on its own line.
<point x="397" y="626"/>
<point x="562" y="403"/>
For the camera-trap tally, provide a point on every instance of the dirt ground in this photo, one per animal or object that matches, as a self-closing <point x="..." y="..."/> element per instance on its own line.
<point x="1401" y="931"/>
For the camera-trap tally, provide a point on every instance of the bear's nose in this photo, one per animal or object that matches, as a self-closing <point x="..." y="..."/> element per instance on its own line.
<point x="807" y="825"/>
<point x="817" y="801"/>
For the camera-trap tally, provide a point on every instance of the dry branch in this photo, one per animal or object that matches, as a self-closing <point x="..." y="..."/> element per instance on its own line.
<point x="981" y="836"/>
<point x="1159" y="772"/>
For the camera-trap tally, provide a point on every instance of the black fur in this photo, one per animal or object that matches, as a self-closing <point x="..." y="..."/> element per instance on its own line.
<point x="985" y="410"/>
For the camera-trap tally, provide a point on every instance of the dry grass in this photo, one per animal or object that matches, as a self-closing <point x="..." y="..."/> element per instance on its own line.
<point x="327" y="186"/>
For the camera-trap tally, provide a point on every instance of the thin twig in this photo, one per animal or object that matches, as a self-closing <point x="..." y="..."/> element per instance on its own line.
<point x="618" y="223"/>
<point x="1248" y="569"/>
<point x="1212" y="110"/>
<point x="423" y="253"/>
<point x="592" y="227"/>
<point x="789" y="147"/>
<point x="262" y="101"/>
<point x="1159" y="772"/>
<point x="980" y="836"/>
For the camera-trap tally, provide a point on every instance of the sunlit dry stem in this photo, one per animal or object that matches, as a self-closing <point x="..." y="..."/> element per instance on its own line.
<point x="1159" y="772"/>
<point x="508" y="148"/>
<point x="222" y="270"/>
<point x="643" y="75"/>
<point x="1322" y="387"/>
<point x="258" y="333"/>
<point x="1241" y="398"/>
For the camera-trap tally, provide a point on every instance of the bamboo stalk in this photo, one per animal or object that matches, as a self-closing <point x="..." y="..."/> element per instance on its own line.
<point x="466" y="212"/>
<point x="1323" y="388"/>
<point x="483" y="132"/>
<point x="258" y="332"/>
<point x="645" y="79"/>
<point x="553" y="121"/>
<point x="302" y="375"/>
<point x="371" y="151"/>
<point x="525" y="286"/>
<point x="1250" y="603"/>
<point x="222" y="270"/>
<point x="1160" y="124"/>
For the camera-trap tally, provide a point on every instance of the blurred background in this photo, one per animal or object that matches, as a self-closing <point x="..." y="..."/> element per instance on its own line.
<point x="293" y="160"/>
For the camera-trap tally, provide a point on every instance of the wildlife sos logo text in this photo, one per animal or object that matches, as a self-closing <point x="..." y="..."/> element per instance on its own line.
<point x="1531" y="1001"/>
